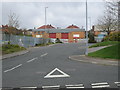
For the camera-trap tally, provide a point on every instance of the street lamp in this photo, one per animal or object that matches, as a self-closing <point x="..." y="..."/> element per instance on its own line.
<point x="86" y="53"/>
<point x="45" y="19"/>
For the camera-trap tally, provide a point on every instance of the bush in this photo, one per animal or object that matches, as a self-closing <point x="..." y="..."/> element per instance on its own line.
<point x="91" y="38"/>
<point x="113" y="37"/>
<point x="9" y="48"/>
<point x="58" y="40"/>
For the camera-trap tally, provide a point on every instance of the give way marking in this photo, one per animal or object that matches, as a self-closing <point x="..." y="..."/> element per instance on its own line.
<point x="49" y="75"/>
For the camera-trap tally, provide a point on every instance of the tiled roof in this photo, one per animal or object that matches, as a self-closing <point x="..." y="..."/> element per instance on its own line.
<point x="73" y="27"/>
<point x="4" y="26"/>
<point x="46" y="26"/>
<point x="59" y="30"/>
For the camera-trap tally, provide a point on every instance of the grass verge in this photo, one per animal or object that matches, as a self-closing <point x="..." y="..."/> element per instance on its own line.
<point x="106" y="43"/>
<point x="9" y="48"/>
<point x="111" y="52"/>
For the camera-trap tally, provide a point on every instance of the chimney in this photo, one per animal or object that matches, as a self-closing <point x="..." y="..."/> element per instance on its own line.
<point x="93" y="27"/>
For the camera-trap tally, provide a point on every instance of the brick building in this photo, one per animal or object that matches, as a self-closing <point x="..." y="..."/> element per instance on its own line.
<point x="70" y="34"/>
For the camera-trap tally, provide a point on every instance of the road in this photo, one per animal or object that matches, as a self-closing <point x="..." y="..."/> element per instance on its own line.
<point x="30" y="69"/>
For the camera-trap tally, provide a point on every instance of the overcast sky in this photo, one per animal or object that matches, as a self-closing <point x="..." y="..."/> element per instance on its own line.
<point x="59" y="14"/>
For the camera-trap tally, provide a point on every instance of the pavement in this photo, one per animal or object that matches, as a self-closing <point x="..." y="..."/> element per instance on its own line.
<point x="87" y="59"/>
<point x="14" y="54"/>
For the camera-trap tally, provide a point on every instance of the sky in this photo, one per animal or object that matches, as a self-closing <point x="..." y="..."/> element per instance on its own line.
<point x="59" y="14"/>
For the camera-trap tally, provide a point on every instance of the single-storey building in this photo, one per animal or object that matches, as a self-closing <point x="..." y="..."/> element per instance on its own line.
<point x="70" y="34"/>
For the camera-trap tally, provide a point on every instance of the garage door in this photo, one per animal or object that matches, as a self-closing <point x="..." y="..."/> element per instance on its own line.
<point x="64" y="35"/>
<point x="52" y="35"/>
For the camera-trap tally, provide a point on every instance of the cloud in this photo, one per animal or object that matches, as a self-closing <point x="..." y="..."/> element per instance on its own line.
<point x="59" y="14"/>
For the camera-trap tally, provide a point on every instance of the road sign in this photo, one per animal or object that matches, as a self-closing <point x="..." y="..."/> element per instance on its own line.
<point x="49" y="75"/>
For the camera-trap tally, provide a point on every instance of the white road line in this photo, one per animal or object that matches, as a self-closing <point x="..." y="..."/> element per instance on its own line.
<point x="103" y="86"/>
<point x="99" y="83"/>
<point x="32" y="60"/>
<point x="13" y="68"/>
<point x="44" y="55"/>
<point x="75" y="86"/>
<point x="117" y="83"/>
<point x="56" y="76"/>
<point x="28" y="87"/>
<point x="57" y="86"/>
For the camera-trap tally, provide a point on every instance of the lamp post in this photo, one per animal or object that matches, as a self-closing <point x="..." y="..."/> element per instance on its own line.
<point x="45" y="17"/>
<point x="86" y="53"/>
<point x="45" y="21"/>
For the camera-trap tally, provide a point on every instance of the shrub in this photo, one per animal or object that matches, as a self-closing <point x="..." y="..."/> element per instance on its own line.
<point x="115" y="36"/>
<point x="9" y="48"/>
<point x="58" y="40"/>
<point x="91" y="38"/>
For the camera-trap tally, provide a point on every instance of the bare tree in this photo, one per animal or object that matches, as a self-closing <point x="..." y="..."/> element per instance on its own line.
<point x="13" y="24"/>
<point x="109" y="22"/>
<point x="112" y="8"/>
<point x="13" y="20"/>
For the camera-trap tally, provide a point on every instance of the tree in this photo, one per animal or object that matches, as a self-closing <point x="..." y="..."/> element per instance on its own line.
<point x="112" y="8"/>
<point x="109" y="22"/>
<point x="13" y="20"/>
<point x="13" y="24"/>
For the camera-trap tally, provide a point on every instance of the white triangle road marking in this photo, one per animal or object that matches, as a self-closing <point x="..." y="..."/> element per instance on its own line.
<point x="54" y="76"/>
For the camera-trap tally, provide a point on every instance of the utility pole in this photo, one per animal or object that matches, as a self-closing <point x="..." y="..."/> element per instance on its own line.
<point x="86" y="53"/>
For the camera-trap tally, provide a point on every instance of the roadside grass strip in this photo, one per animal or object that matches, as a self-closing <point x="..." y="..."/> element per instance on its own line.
<point x="13" y="68"/>
<point x="111" y="52"/>
<point x="100" y="85"/>
<point x="117" y="83"/>
<point x="106" y="43"/>
<point x="51" y="87"/>
<point x="74" y="86"/>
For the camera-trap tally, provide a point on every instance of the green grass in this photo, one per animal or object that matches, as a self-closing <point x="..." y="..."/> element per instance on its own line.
<point x="104" y="43"/>
<point x="111" y="52"/>
<point x="9" y="48"/>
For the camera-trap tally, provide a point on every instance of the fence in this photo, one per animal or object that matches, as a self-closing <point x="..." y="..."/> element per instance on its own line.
<point x="24" y="41"/>
<point x="98" y="39"/>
